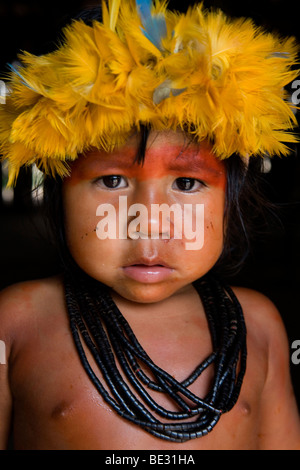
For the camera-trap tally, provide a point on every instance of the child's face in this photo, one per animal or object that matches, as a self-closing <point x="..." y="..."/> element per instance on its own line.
<point x="175" y="171"/>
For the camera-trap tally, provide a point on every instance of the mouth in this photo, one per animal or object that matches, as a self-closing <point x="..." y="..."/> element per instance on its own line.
<point x="147" y="271"/>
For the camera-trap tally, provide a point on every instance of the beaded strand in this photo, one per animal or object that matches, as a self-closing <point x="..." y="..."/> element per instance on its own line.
<point x="97" y="323"/>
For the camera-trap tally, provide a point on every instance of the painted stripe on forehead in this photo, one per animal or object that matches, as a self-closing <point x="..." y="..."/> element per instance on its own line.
<point x="162" y="159"/>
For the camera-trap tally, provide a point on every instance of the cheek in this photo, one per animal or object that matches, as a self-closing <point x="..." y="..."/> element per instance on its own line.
<point x="214" y="224"/>
<point x="80" y="219"/>
<point x="212" y="231"/>
<point x="98" y="258"/>
<point x="211" y="213"/>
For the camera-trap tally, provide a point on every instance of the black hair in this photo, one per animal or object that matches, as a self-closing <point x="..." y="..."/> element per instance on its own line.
<point x="247" y="212"/>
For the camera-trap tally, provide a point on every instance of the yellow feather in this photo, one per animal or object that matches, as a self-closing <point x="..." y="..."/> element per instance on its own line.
<point x="114" y="6"/>
<point x="223" y="79"/>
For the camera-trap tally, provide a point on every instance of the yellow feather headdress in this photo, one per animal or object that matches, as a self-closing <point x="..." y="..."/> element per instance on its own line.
<point x="218" y="78"/>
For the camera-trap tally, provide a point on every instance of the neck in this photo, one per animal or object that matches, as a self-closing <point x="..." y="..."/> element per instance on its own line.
<point x="176" y="305"/>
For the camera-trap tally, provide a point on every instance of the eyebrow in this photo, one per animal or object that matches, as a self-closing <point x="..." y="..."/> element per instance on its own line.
<point x="185" y="161"/>
<point x="196" y="160"/>
<point x="194" y="165"/>
<point x="108" y="161"/>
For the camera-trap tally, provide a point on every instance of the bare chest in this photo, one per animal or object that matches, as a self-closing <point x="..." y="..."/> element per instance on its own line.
<point x="79" y="419"/>
<point x="58" y="407"/>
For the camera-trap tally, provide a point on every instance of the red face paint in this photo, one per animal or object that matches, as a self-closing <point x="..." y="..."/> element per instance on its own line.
<point x="163" y="157"/>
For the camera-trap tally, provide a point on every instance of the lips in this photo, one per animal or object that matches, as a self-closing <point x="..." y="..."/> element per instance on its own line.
<point x="148" y="271"/>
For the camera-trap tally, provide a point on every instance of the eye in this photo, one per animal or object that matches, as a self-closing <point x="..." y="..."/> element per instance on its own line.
<point x="112" y="182"/>
<point x="187" y="184"/>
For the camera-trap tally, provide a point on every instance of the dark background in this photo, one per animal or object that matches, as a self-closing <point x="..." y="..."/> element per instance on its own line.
<point x="272" y="267"/>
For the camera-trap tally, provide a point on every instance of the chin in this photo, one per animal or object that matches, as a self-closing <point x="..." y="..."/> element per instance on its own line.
<point x="145" y="293"/>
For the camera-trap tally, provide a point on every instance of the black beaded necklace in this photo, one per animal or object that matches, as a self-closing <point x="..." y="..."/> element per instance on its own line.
<point x="97" y="322"/>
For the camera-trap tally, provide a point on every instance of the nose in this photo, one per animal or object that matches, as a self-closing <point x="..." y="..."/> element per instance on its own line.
<point x="153" y="222"/>
<point x="150" y="217"/>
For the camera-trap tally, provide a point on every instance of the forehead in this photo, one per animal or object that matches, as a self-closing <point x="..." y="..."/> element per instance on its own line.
<point x="166" y="153"/>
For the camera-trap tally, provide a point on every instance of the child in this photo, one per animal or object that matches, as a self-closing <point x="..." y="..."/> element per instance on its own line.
<point x="138" y="344"/>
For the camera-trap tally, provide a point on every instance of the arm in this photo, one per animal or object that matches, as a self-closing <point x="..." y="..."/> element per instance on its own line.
<point x="280" y="420"/>
<point x="7" y="320"/>
<point x="5" y="394"/>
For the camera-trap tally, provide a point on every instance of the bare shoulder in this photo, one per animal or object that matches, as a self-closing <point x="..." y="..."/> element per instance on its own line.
<point x="266" y="334"/>
<point x="261" y="315"/>
<point x="279" y="426"/>
<point x="22" y="303"/>
<point x="25" y="296"/>
<point x="251" y="300"/>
